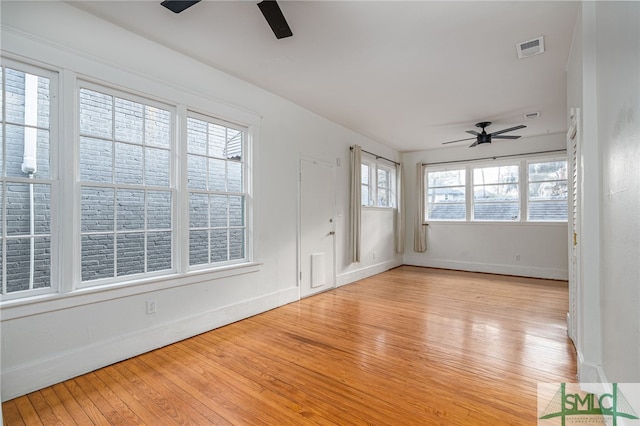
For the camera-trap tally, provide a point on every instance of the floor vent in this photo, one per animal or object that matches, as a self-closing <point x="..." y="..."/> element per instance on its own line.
<point x="530" y="48"/>
<point x="531" y="115"/>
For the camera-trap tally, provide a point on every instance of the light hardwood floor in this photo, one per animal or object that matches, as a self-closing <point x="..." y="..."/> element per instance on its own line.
<point x="409" y="346"/>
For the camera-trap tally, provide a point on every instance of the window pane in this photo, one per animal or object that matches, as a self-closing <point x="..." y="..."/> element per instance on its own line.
<point x="14" y="145"/>
<point x="158" y="251"/>
<point x="36" y="141"/>
<point x="219" y="246"/>
<point x="217" y="140"/>
<point x="130" y="254"/>
<point x="42" y="208"/>
<point x="42" y="262"/>
<point x="454" y="194"/>
<point x="96" y="160"/>
<point x="495" y="192"/>
<point x="236" y="211"/>
<point x="17" y="209"/>
<point x="129" y="121"/>
<point x="97" y="209"/>
<point x="158" y="210"/>
<point x="19" y="259"/>
<point x="548" y="190"/>
<point x="493" y="175"/>
<point x="198" y="247"/>
<point x="96" y="114"/>
<point x="364" y="174"/>
<point x="196" y="136"/>
<point x="446" y="178"/>
<point x="157" y="167"/>
<point x="553" y="170"/>
<point x="217" y="177"/>
<point x="234" y="178"/>
<point x="97" y="257"/>
<point x="446" y="211"/>
<point x="219" y="211"/>
<point x="548" y="210"/>
<point x="236" y="244"/>
<point x="383" y="178"/>
<point x="157" y="127"/>
<point x="130" y="209"/>
<point x="128" y="164"/>
<point x="383" y="197"/>
<point x="497" y="211"/>
<point x="197" y="172"/>
<point x="364" y="190"/>
<point x="198" y="210"/>
<point x="234" y="144"/>
<point x="27" y="99"/>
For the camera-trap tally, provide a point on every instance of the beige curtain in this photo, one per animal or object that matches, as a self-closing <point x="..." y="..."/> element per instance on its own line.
<point x="356" y="203"/>
<point x="400" y="237"/>
<point x="420" y="233"/>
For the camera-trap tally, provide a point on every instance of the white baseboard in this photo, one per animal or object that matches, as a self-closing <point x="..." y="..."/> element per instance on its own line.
<point x="27" y="378"/>
<point x="366" y="272"/>
<point x="523" y="271"/>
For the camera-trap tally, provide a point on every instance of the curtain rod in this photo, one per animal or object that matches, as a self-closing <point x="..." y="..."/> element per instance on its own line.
<point x="495" y="157"/>
<point x="378" y="157"/>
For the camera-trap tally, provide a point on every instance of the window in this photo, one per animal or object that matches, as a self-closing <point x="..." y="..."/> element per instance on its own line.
<point x="547" y="199"/>
<point x="378" y="184"/>
<point x="490" y="192"/>
<point x="126" y="186"/>
<point x="27" y="180"/>
<point x="217" y="191"/>
<point x="446" y="195"/>
<point x="155" y="189"/>
<point x="496" y="193"/>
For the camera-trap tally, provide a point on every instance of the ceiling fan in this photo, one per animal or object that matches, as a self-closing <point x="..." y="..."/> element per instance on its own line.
<point x="269" y="9"/>
<point x="485" y="137"/>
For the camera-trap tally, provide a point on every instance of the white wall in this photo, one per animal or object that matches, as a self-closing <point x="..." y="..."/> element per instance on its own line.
<point x="488" y="247"/>
<point x="58" y="338"/>
<point x="603" y="79"/>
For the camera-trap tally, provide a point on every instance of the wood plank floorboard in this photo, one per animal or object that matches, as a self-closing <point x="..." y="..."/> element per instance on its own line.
<point x="411" y="346"/>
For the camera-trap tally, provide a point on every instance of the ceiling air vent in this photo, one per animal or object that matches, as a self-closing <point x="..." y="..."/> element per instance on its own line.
<point x="531" y="115"/>
<point x="530" y="48"/>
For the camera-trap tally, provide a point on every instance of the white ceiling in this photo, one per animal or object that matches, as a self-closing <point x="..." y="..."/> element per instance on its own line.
<point x="409" y="74"/>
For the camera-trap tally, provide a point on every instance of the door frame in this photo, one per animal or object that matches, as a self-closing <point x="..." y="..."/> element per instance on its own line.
<point x="331" y="165"/>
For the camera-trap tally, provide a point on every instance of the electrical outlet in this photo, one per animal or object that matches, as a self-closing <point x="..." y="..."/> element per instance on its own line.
<point x="517" y="258"/>
<point x="374" y="254"/>
<point x="151" y="307"/>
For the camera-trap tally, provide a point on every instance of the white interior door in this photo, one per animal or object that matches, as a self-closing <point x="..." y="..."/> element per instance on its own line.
<point x="317" y="227"/>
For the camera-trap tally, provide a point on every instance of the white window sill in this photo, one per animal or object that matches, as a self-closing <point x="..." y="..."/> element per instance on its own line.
<point x="34" y="305"/>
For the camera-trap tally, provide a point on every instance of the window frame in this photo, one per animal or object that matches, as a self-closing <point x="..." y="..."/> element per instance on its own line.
<point x="473" y="185"/>
<point x="53" y="181"/>
<point x="465" y="185"/>
<point x="79" y="184"/>
<point x="373" y="165"/>
<point x="522" y="161"/>
<point x="529" y="202"/>
<point x="245" y="193"/>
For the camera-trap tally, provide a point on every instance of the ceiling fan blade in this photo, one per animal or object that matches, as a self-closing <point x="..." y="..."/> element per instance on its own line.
<point x="275" y="18"/>
<point x="459" y="140"/>
<point x="505" y="137"/>
<point x="473" y="144"/>
<point x="510" y="129"/>
<point x="473" y="132"/>
<point x="177" y="6"/>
